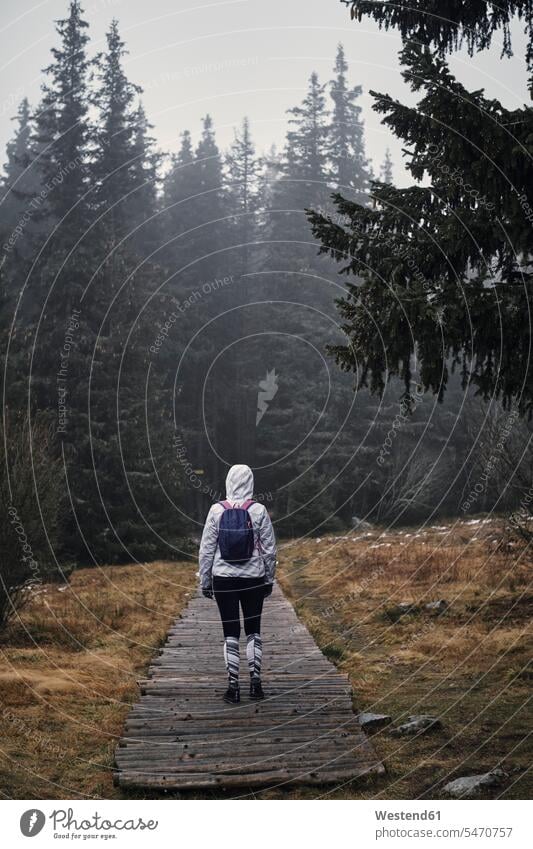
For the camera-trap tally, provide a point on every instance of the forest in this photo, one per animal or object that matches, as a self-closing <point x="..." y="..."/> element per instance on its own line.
<point x="166" y="314"/>
<point x="295" y="236"/>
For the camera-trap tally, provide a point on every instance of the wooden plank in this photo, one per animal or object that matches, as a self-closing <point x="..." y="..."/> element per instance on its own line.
<point x="181" y="735"/>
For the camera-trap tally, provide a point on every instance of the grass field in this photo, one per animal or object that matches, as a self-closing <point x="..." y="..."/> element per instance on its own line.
<point x="471" y="665"/>
<point x="68" y="668"/>
<point x="68" y="674"/>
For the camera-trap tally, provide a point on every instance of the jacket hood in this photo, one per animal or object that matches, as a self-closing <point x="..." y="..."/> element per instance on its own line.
<point x="239" y="483"/>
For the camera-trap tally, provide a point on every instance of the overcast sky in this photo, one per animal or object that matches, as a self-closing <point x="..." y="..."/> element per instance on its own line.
<point x="234" y="58"/>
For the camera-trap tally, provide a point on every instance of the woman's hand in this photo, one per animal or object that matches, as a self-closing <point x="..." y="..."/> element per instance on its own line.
<point x="268" y="590"/>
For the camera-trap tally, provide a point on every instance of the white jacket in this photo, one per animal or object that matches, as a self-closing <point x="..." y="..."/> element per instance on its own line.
<point x="239" y="488"/>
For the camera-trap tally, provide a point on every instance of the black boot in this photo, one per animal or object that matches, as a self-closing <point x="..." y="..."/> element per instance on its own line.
<point x="256" y="690"/>
<point x="233" y="694"/>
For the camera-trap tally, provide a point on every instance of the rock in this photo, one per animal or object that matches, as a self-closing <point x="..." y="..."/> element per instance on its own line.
<point x="417" y="724"/>
<point x="404" y="608"/>
<point x="436" y="606"/>
<point x="472" y="785"/>
<point x="360" y="524"/>
<point x="373" y="721"/>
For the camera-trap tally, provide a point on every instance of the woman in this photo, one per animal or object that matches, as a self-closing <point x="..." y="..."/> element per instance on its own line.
<point x="238" y="565"/>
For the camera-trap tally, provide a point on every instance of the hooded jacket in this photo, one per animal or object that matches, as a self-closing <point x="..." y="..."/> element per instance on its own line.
<point x="239" y="488"/>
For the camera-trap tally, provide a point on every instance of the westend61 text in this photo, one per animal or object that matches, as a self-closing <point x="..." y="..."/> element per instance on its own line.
<point x="407" y="815"/>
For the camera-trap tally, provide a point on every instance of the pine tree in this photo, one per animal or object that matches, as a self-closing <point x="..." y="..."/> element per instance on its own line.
<point x="211" y="206"/>
<point x="448" y="24"/>
<point x="115" y="137"/>
<point x="226" y="420"/>
<point x="63" y="136"/>
<point x="127" y="481"/>
<point x="5" y="317"/>
<point x="144" y="203"/>
<point x="242" y="167"/>
<point x="297" y="278"/>
<point x="302" y="183"/>
<point x="307" y="141"/>
<point x="195" y="192"/>
<point x="242" y="183"/>
<point x="349" y="167"/>
<point x="195" y="215"/>
<point x="386" y="172"/>
<point x="180" y="188"/>
<point x="270" y="169"/>
<point x="91" y="342"/>
<point x="19" y="190"/>
<point x="454" y="255"/>
<point x="62" y="127"/>
<point x="180" y="182"/>
<point x="61" y="150"/>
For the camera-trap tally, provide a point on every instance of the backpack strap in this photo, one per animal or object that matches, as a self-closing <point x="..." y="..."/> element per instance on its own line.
<point x="244" y="506"/>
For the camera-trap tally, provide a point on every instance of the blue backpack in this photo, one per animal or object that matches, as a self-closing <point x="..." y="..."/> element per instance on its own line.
<point x="236" y="533"/>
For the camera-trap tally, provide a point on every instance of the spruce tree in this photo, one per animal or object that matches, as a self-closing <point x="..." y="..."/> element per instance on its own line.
<point x="211" y="205"/>
<point x="302" y="183"/>
<point x="349" y="167"/>
<point x="180" y="182"/>
<point x="63" y="137"/>
<point x="90" y="357"/>
<point x="270" y="169"/>
<point x="307" y="143"/>
<point x="180" y="187"/>
<point x="450" y="24"/>
<point x="242" y="184"/>
<point x="224" y="418"/>
<point x="242" y="181"/>
<point x="242" y="171"/>
<point x="450" y="277"/>
<point x="44" y="338"/>
<point x="115" y="137"/>
<point x="128" y="458"/>
<point x="62" y="126"/>
<point x="195" y="217"/>
<point x="144" y="202"/>
<point x="123" y="466"/>
<point x="19" y="190"/>
<point x="386" y="171"/>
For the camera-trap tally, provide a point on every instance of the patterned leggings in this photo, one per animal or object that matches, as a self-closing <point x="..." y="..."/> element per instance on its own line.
<point x="247" y="593"/>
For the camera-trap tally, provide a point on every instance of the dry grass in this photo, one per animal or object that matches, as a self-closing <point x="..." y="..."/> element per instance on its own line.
<point x="469" y="665"/>
<point x="68" y="672"/>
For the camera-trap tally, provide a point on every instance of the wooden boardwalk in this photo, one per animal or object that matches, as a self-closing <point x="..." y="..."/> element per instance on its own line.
<point x="181" y="735"/>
